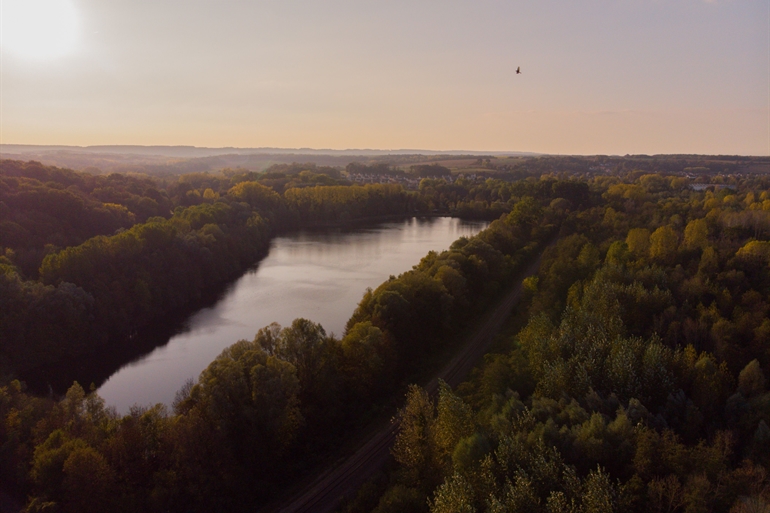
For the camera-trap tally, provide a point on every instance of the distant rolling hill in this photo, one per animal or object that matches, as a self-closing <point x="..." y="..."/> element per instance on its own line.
<point x="172" y="160"/>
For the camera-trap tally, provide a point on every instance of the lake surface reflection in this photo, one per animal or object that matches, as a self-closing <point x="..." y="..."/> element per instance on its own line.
<point x="318" y="275"/>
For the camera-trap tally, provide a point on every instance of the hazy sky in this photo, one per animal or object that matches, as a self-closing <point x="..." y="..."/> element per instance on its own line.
<point x="598" y="76"/>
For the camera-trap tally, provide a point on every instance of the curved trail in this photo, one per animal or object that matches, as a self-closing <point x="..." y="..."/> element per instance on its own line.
<point x="326" y="492"/>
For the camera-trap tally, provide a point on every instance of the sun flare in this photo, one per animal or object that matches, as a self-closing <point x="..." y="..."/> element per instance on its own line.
<point x="38" y="29"/>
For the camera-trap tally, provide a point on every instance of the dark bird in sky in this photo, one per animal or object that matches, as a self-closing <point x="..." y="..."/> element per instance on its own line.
<point x="518" y="70"/>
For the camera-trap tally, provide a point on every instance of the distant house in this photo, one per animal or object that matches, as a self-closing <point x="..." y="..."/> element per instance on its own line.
<point x="704" y="186"/>
<point x="407" y="183"/>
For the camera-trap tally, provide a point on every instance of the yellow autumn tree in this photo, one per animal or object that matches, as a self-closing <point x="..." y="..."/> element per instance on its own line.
<point x="696" y="234"/>
<point x="663" y="244"/>
<point x="638" y="241"/>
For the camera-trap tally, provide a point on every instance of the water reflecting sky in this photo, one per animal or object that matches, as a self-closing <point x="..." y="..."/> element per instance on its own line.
<point x="319" y="275"/>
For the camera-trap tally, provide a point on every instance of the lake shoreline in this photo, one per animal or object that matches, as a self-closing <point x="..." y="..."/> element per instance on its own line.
<point x="363" y="221"/>
<point x="316" y="273"/>
<point x="93" y="368"/>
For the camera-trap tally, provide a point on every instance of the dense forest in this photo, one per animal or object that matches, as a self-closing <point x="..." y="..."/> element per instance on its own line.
<point x="638" y="382"/>
<point x="637" y="379"/>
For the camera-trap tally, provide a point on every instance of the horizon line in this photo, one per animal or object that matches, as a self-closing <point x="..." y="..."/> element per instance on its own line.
<point x="331" y="151"/>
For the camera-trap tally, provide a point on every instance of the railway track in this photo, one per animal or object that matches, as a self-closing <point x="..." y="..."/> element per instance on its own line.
<point x="326" y="492"/>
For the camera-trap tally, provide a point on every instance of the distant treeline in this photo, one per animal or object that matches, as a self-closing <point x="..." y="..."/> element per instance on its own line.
<point x="705" y="166"/>
<point x="383" y="168"/>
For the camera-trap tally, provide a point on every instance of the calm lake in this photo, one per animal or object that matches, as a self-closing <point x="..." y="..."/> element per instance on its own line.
<point x="318" y="275"/>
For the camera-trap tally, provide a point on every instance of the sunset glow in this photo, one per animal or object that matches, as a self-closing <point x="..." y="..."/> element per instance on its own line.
<point x="596" y="77"/>
<point x="39" y="29"/>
